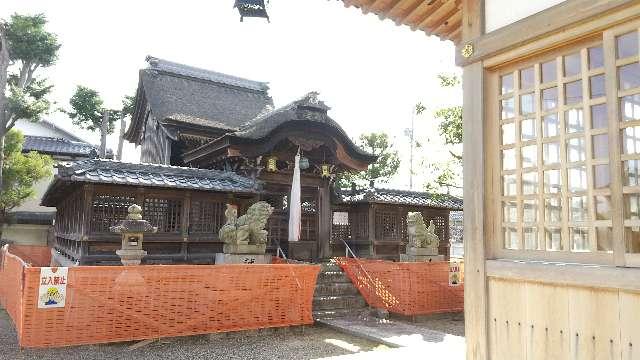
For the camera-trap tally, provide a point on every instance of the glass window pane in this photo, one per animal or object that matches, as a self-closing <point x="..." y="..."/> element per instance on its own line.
<point x="573" y="92"/>
<point x="596" y="86"/>
<point x="574" y="120"/>
<point x="508" y="133"/>
<point x="631" y="140"/>
<point x="576" y="150"/>
<point x="530" y="183"/>
<point x="509" y="188"/>
<point x="550" y="98"/>
<point x="510" y="211"/>
<point x="577" y="179"/>
<point x="508" y="108"/>
<point x="530" y="238"/>
<point x="578" y="208"/>
<point x="551" y="153"/>
<point x="552" y="210"/>
<point x="528" y="129"/>
<point x="530" y="211"/>
<point x="599" y="116"/>
<point x="601" y="176"/>
<point x="507" y="83"/>
<point x="632" y="206"/>
<point x="600" y="145"/>
<point x="526" y="78"/>
<point x="604" y="239"/>
<point x="627" y="45"/>
<point x="572" y="64"/>
<point x="526" y="104"/>
<point x="596" y="57"/>
<point x="511" y="238"/>
<point x="631" y="172"/>
<point x="579" y="239"/>
<point x="603" y="207"/>
<point x="549" y="71"/>
<point x="553" y="238"/>
<point x="630" y="107"/>
<point x="550" y="125"/>
<point x="529" y="156"/>
<point x="552" y="182"/>
<point x="632" y="239"/>
<point x="629" y="76"/>
<point x="509" y="159"/>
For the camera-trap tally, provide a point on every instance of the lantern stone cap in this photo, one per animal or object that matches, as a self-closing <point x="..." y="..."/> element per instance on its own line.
<point x="133" y="223"/>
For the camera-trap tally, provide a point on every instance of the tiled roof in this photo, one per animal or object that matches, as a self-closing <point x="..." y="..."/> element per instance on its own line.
<point x="402" y="197"/>
<point x="58" y="146"/>
<point x="103" y="171"/>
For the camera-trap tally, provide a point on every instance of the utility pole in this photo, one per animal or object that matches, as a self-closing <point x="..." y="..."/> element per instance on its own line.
<point x="123" y="124"/>
<point x="411" y="134"/>
<point x="103" y="134"/>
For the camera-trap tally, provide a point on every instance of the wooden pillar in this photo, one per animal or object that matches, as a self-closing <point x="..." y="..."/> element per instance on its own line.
<point x="372" y="230"/>
<point x="85" y="221"/>
<point x="184" y="225"/>
<point x="324" y="221"/>
<point x="475" y="289"/>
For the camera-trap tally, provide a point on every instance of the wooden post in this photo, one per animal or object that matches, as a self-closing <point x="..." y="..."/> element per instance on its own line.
<point x="324" y="221"/>
<point x="85" y="221"/>
<point x="372" y="229"/>
<point x="475" y="292"/>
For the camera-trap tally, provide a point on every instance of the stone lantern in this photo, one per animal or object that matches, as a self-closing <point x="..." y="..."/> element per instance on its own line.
<point x="132" y="230"/>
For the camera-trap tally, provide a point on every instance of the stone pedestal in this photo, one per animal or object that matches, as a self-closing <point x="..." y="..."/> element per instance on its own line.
<point x="244" y="249"/>
<point x="131" y="257"/>
<point x="225" y="259"/>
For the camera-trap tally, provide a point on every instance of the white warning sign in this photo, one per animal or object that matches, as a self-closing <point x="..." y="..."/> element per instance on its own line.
<point x="53" y="287"/>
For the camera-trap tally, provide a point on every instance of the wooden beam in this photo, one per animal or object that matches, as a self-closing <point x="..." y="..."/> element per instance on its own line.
<point x="423" y="12"/>
<point x="555" y="19"/>
<point x="409" y="5"/>
<point x="455" y="21"/>
<point x="436" y="18"/>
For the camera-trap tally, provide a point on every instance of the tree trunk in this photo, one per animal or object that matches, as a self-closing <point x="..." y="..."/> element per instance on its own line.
<point x="123" y="124"/>
<point x="4" y="116"/>
<point x="103" y="134"/>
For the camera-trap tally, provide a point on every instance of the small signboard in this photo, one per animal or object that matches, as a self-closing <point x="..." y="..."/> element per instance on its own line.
<point x="53" y="287"/>
<point x="455" y="274"/>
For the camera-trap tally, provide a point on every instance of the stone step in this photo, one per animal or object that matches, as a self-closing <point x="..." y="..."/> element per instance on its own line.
<point x="330" y="266"/>
<point x="332" y="277"/>
<point x="338" y="302"/>
<point x="335" y="289"/>
<point x="335" y="314"/>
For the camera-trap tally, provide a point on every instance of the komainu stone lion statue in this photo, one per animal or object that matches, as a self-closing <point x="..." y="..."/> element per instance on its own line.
<point x="247" y="229"/>
<point x="421" y="236"/>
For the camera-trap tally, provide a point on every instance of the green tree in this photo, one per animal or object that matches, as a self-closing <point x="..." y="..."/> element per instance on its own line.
<point x="382" y="169"/>
<point x="21" y="172"/>
<point x="25" y="46"/>
<point x="449" y="172"/>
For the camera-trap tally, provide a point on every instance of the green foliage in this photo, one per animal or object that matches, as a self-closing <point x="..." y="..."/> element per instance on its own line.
<point x="450" y="127"/>
<point x="22" y="104"/>
<point x="88" y="109"/>
<point x="128" y="105"/>
<point x="29" y="42"/>
<point x="382" y="169"/>
<point x="448" y="80"/>
<point x="20" y="172"/>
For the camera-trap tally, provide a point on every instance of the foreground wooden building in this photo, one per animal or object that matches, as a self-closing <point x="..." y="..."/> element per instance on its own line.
<point x="551" y="134"/>
<point x="210" y="139"/>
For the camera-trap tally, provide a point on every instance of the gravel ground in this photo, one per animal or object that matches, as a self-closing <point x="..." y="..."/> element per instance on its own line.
<point x="296" y="343"/>
<point x="447" y="323"/>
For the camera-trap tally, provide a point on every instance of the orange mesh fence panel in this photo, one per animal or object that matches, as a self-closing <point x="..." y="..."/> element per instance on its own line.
<point x="11" y="268"/>
<point x="405" y="288"/>
<point x="33" y="255"/>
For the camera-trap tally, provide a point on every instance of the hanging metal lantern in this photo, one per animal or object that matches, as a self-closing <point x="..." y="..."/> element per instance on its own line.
<point x="326" y="170"/>
<point x="272" y="164"/>
<point x="251" y="8"/>
<point x="304" y="163"/>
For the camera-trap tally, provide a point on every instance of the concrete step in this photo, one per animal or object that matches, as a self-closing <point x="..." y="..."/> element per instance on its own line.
<point x="335" y="289"/>
<point x="330" y="266"/>
<point x="331" y="277"/>
<point x="336" y="313"/>
<point x="338" y="302"/>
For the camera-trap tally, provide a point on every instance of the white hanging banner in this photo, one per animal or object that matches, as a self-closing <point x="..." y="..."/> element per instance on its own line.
<point x="53" y="287"/>
<point x="295" y="207"/>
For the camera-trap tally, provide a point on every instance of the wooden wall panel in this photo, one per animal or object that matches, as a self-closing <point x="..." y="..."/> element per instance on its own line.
<point x="630" y="325"/>
<point x="546" y="335"/>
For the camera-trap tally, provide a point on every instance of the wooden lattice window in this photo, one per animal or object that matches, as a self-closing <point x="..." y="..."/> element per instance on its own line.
<point x="340" y="229"/>
<point x="389" y="225"/>
<point x="165" y="213"/>
<point x="568" y="128"/>
<point x="359" y="223"/>
<point x="206" y="216"/>
<point x="441" y="223"/>
<point x="108" y="210"/>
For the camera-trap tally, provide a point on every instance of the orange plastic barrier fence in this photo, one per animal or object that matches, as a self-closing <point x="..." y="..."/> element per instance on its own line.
<point x="115" y="303"/>
<point x="33" y="255"/>
<point x="11" y="268"/>
<point x="405" y="288"/>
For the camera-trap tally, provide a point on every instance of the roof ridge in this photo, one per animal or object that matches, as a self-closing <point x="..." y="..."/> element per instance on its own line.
<point x="205" y="74"/>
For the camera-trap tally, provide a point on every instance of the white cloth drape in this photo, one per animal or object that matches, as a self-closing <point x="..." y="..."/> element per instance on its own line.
<point x="295" y="209"/>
